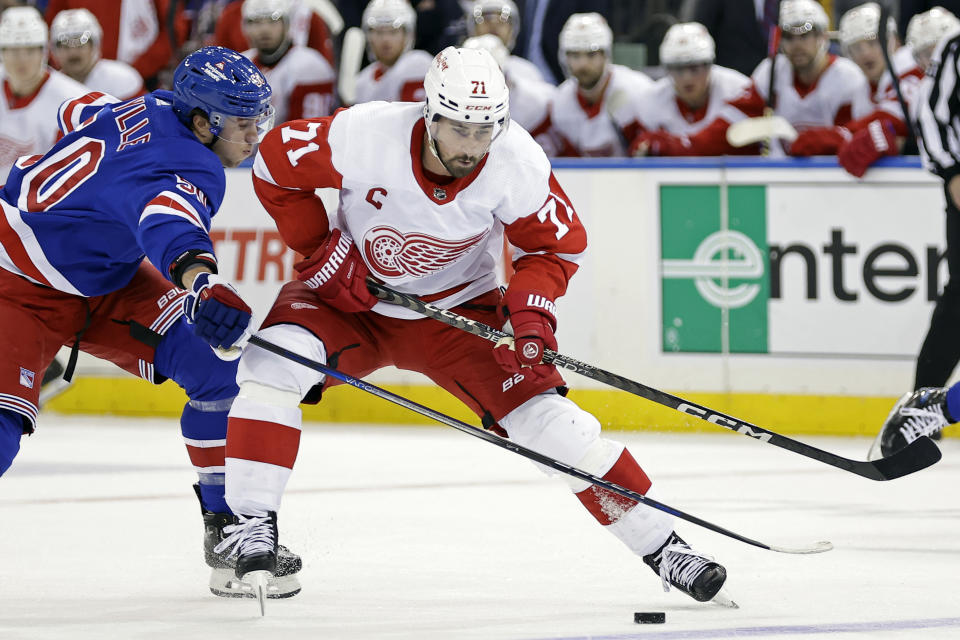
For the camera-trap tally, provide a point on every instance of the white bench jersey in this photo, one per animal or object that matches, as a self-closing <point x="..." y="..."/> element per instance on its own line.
<point x="598" y="129"/>
<point x="302" y="82"/>
<point x="28" y="125"/>
<point x="403" y="82"/>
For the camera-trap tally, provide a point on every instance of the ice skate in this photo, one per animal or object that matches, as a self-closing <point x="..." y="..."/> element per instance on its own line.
<point x="253" y="542"/>
<point x="917" y="413"/>
<point x="692" y="572"/>
<point x="224" y="582"/>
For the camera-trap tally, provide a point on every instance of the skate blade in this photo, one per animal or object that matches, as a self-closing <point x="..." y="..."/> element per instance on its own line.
<point x="258" y="586"/>
<point x="724" y="600"/>
<point x="225" y="584"/>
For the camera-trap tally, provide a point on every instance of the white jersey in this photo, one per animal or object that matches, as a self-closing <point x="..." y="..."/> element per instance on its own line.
<point x="663" y="110"/>
<point x="597" y="130"/>
<point x="403" y="82"/>
<point x="28" y="126"/>
<point x="302" y="82"/>
<point x="840" y="94"/>
<point x="299" y="14"/>
<point x="909" y="75"/>
<point x="420" y="237"/>
<point x="530" y="108"/>
<point x="521" y="69"/>
<point x="114" y="78"/>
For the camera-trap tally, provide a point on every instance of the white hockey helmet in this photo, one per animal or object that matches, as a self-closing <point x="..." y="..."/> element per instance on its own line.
<point x="687" y="43"/>
<point x="586" y="32"/>
<point x="863" y="23"/>
<point x="74" y="28"/>
<point x="259" y="9"/>
<point x="926" y="29"/>
<point x="802" y="16"/>
<point x="466" y="85"/>
<point x="22" y="27"/>
<point x="397" y="14"/>
<point x="501" y="10"/>
<point x="491" y="43"/>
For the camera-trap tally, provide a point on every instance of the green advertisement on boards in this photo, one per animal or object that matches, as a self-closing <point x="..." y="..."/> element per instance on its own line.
<point x="708" y="266"/>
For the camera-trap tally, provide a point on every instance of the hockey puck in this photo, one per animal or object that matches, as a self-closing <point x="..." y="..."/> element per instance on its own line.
<point x="649" y="617"/>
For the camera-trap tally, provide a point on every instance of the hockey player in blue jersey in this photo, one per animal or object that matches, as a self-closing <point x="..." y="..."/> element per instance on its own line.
<point x="132" y="180"/>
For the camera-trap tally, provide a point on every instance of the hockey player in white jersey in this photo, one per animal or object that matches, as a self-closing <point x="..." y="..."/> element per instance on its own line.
<point x="32" y="91"/>
<point x="428" y="191"/>
<point x="859" y="38"/>
<point x="687" y="112"/>
<point x="502" y="19"/>
<point x="301" y="78"/>
<point x="882" y="132"/>
<point x="926" y="29"/>
<point x="529" y="99"/>
<point x="75" y="36"/>
<point x="814" y="90"/>
<point x="592" y="109"/>
<point x="396" y="70"/>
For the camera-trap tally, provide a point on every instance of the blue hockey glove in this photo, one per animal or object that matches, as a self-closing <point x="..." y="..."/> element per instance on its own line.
<point x="216" y="311"/>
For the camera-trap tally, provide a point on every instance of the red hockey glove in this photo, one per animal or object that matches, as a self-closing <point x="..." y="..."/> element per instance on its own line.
<point x="337" y="273"/>
<point x="866" y="146"/>
<point x="819" y="141"/>
<point x="660" y="143"/>
<point x="532" y="316"/>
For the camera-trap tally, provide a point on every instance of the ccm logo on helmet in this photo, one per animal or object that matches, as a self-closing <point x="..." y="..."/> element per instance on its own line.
<point x="478" y="107"/>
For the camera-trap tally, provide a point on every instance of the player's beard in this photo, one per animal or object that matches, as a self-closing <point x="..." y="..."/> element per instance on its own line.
<point x="588" y="80"/>
<point x="458" y="170"/>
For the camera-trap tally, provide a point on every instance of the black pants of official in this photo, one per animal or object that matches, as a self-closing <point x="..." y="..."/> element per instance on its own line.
<point x="941" y="348"/>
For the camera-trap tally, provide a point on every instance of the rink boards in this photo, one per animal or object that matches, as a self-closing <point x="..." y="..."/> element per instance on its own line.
<point x="783" y="292"/>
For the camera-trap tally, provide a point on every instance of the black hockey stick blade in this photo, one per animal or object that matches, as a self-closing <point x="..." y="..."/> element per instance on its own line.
<point x="918" y="455"/>
<point x="530" y="454"/>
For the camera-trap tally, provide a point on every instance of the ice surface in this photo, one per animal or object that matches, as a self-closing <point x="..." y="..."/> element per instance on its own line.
<point x="427" y="533"/>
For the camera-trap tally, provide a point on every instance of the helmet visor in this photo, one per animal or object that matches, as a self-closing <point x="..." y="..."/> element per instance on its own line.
<point x="242" y="130"/>
<point x="466" y="140"/>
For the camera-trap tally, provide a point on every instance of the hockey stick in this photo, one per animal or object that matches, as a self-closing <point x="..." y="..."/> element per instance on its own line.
<point x="882" y="37"/>
<point x="775" y="33"/>
<point x="763" y="128"/>
<point x="919" y="454"/>
<point x="530" y="454"/>
<point x="328" y="13"/>
<point x="351" y="57"/>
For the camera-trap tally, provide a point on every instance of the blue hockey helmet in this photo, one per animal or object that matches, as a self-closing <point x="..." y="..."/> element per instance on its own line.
<point x="222" y="83"/>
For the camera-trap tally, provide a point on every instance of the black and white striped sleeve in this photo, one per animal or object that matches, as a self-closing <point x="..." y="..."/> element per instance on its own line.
<point x="938" y="116"/>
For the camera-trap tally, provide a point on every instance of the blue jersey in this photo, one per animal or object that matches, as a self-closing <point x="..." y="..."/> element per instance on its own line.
<point x="128" y="180"/>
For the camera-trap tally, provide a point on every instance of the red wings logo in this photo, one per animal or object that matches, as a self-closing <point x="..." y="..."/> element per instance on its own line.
<point x="11" y="149"/>
<point x="393" y="254"/>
